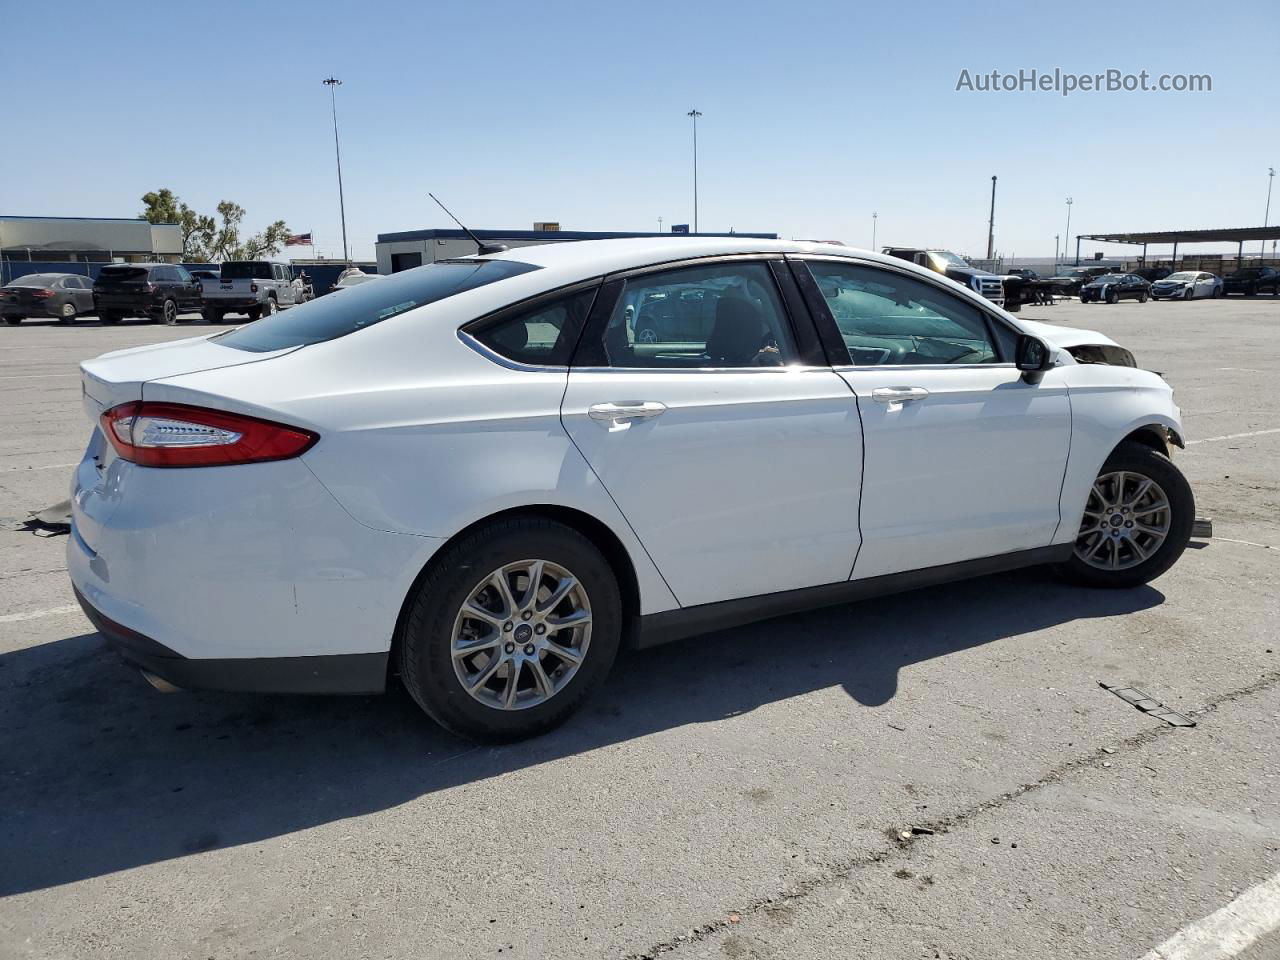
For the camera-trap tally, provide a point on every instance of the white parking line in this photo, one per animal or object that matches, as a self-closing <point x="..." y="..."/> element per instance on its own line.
<point x="1229" y="931"/>
<point x="1234" y="436"/>
<point x="47" y="466"/>
<point x="40" y="376"/>
<point x="37" y="614"/>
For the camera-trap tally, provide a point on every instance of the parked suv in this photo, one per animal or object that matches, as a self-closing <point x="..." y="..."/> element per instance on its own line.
<point x="157" y="291"/>
<point x="1252" y="281"/>
<point x="255" y="288"/>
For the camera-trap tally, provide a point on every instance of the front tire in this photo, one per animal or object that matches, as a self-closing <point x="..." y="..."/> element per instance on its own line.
<point x="514" y="626"/>
<point x="1113" y="297"/>
<point x="107" y="318"/>
<point x="13" y="321"/>
<point x="1137" y="520"/>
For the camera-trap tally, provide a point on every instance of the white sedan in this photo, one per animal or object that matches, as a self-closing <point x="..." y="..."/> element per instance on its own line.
<point x="1187" y="285"/>
<point x="476" y="476"/>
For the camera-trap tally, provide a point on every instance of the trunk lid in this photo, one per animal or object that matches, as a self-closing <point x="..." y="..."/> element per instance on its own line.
<point x="118" y="377"/>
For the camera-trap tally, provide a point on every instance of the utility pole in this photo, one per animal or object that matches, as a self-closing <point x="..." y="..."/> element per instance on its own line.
<point x="1271" y="175"/>
<point x="659" y="224"/>
<point x="332" y="83"/>
<point x="695" y="114"/>
<point x="991" y="224"/>
<point x="873" y="231"/>
<point x="1056" y="240"/>
<point x="1067" y="235"/>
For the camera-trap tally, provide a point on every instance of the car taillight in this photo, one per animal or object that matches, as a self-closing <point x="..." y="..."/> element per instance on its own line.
<point x="178" y="435"/>
<point x="42" y="294"/>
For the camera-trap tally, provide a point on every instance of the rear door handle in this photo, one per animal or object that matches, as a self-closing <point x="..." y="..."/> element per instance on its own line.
<point x="898" y="394"/>
<point x="626" y="410"/>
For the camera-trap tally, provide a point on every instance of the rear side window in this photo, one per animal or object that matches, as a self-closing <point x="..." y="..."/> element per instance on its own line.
<point x="543" y="335"/>
<point x="353" y="308"/>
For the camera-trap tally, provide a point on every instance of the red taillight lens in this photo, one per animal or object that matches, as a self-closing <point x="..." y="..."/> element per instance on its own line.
<point x="177" y="435"/>
<point x="42" y="294"/>
<point x="253" y="288"/>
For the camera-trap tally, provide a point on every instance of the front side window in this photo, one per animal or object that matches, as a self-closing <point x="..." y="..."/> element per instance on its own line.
<point x="718" y="315"/>
<point x="354" y="308"/>
<point x="543" y="335"/>
<point x="888" y="318"/>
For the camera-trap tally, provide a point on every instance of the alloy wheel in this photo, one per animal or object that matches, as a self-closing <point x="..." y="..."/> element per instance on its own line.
<point x="170" y="312"/>
<point x="1126" y="520"/>
<point x="521" y="635"/>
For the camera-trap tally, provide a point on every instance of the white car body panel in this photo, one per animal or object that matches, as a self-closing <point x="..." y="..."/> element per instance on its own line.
<point x="972" y="469"/>
<point x="422" y="436"/>
<point x="747" y="484"/>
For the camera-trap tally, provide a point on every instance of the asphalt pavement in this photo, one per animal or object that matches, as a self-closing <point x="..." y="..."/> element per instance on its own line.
<point x="743" y="794"/>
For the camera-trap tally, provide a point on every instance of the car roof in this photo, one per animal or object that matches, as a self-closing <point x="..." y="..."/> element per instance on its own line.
<point x="582" y="259"/>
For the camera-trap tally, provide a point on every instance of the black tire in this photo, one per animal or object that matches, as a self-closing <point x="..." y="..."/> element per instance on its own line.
<point x="211" y="316"/>
<point x="1143" y="460"/>
<point x="68" y="317"/>
<point x="426" y="662"/>
<point x="1142" y="298"/>
<point x="13" y="321"/>
<point x="1188" y="294"/>
<point x="169" y="313"/>
<point x="1113" y="297"/>
<point x="269" y="307"/>
<point x="254" y="314"/>
<point x="107" y="318"/>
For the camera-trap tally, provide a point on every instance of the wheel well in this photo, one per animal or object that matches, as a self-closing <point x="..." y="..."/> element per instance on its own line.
<point x="604" y="539"/>
<point x="1156" y="436"/>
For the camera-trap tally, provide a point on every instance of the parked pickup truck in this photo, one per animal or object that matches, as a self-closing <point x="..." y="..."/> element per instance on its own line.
<point x="956" y="268"/>
<point x="255" y="288"/>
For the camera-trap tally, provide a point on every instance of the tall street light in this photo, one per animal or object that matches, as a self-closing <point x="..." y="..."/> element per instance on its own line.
<point x="991" y="224"/>
<point x="1271" y="175"/>
<point x="332" y="83"/>
<point x="873" y="231"/>
<point x="695" y="114"/>
<point x="1066" y="238"/>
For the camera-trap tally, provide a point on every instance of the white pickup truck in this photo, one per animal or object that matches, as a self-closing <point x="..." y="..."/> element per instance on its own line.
<point x="255" y="288"/>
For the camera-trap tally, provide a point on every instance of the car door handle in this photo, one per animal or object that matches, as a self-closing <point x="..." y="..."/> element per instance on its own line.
<point x="626" y="410"/>
<point x="898" y="394"/>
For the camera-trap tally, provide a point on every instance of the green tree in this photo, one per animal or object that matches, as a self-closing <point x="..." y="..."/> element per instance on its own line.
<point x="211" y="239"/>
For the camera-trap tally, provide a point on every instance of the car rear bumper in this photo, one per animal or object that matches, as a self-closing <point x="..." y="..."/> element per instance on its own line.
<point x="336" y="673"/>
<point x="243" y="577"/>
<point x="231" y="303"/>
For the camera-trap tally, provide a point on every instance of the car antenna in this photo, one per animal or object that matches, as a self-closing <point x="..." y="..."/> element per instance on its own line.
<point x="484" y="248"/>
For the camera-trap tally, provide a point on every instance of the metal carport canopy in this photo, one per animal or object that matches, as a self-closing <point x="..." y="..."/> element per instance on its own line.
<point x="1229" y="235"/>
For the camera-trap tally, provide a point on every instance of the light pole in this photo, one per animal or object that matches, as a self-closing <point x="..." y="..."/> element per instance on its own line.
<point x="991" y="224"/>
<point x="332" y="83"/>
<point x="873" y="231"/>
<point x="1056" y="239"/>
<point x="695" y="114"/>
<point x="1271" y="175"/>
<point x="659" y="224"/>
<point x="1067" y="235"/>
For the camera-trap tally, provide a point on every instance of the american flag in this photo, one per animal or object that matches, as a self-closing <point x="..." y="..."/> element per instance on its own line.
<point x="298" y="240"/>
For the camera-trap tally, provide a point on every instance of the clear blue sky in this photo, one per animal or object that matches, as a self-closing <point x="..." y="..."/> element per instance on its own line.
<point x="816" y="114"/>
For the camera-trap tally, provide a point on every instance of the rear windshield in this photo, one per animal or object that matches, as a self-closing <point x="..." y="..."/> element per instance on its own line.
<point x="121" y="274"/>
<point x="247" y="270"/>
<point x="35" y="280"/>
<point x="354" y="308"/>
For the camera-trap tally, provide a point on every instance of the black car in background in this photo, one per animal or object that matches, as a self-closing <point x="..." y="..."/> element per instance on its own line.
<point x="1114" y="287"/>
<point x="157" y="291"/>
<point x="1253" y="280"/>
<point x="1069" y="282"/>
<point x="1152" y="274"/>
<point x="61" y="295"/>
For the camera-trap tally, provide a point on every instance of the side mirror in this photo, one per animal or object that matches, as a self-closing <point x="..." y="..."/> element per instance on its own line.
<point x="1032" y="357"/>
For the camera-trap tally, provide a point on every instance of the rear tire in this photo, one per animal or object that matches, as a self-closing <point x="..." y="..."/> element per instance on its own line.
<point x="1142" y="298"/>
<point x="212" y="316"/>
<point x="107" y="318"/>
<point x="1136" y="462"/>
<point x="14" y="321"/>
<point x="169" y="313"/>
<point x="269" y="307"/>
<point x="463" y="578"/>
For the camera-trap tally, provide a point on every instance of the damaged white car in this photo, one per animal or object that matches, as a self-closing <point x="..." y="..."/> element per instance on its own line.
<point x="485" y="475"/>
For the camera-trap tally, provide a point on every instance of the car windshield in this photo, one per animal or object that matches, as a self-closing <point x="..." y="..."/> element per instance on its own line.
<point x="1109" y="278"/>
<point x="1185" y="275"/>
<point x="34" y="280"/>
<point x="247" y="270"/>
<point x="364" y="305"/>
<point x="121" y="274"/>
<point x="949" y="258"/>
